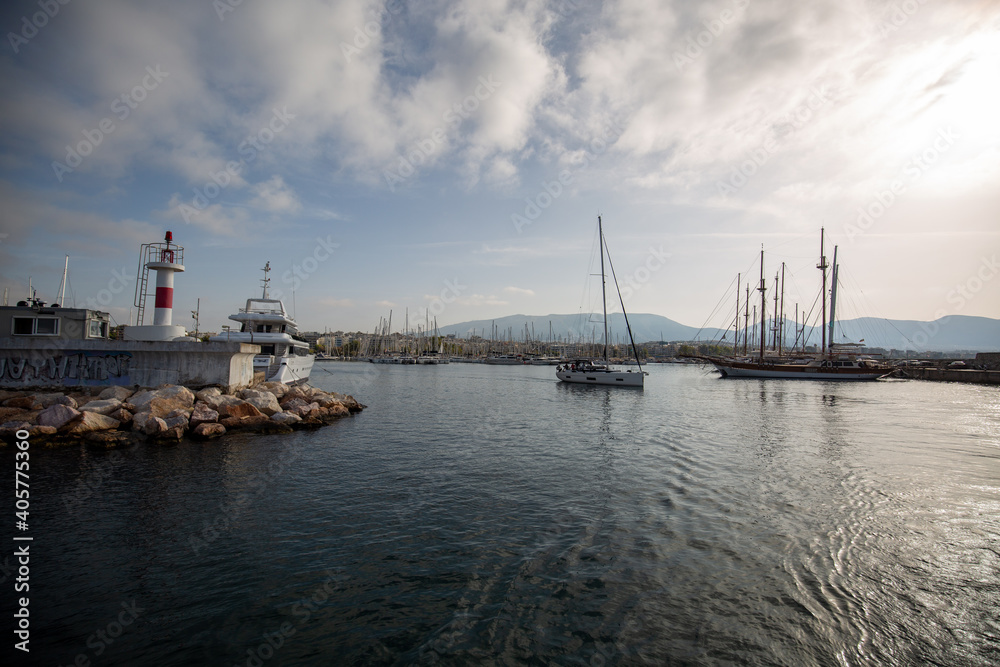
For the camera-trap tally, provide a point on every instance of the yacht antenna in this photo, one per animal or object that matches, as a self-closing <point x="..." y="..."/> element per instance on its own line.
<point x="266" y="281"/>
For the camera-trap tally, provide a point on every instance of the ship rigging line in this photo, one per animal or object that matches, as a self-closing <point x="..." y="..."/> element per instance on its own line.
<point x="624" y="314"/>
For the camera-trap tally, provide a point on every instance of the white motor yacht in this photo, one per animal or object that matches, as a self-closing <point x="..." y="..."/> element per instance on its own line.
<point x="284" y="356"/>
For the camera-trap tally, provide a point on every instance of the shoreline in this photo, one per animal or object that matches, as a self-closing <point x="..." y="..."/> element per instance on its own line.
<point x="169" y="413"/>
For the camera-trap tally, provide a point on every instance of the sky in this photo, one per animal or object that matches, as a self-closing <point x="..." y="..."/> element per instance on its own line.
<point x="448" y="159"/>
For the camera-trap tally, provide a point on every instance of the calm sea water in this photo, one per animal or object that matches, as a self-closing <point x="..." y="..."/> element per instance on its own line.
<point x="490" y="515"/>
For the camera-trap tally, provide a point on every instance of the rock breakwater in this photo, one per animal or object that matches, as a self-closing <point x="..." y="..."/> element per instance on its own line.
<point x="119" y="415"/>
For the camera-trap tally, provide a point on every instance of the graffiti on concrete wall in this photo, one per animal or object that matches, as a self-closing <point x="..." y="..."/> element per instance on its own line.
<point x="66" y="368"/>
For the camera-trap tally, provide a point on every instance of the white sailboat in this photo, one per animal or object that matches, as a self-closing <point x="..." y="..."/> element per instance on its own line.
<point x="589" y="371"/>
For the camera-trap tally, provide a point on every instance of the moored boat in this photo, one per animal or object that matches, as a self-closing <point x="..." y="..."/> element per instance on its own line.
<point x="284" y="356"/>
<point x="832" y="362"/>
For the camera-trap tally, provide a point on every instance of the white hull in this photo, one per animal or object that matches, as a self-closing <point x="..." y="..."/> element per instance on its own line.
<point x="287" y="370"/>
<point x="604" y="377"/>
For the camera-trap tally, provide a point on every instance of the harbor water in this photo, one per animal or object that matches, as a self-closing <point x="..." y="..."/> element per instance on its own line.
<point x="490" y="515"/>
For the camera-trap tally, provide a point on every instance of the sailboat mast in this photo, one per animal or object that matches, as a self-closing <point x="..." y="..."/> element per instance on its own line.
<point x="781" y="311"/>
<point x="736" y="323"/>
<point x="62" y="290"/>
<point x="833" y="296"/>
<point x="822" y="267"/>
<point x="763" y="304"/>
<point x="746" y="321"/>
<point x="604" y="299"/>
<point x="774" y="322"/>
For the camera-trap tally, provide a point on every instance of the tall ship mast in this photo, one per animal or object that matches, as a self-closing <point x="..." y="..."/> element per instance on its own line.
<point x="830" y="363"/>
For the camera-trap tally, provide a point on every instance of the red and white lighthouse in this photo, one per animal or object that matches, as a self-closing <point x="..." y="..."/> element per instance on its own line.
<point x="165" y="268"/>
<point x="164" y="260"/>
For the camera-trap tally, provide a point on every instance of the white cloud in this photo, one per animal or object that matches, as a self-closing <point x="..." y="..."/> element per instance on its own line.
<point x="275" y="196"/>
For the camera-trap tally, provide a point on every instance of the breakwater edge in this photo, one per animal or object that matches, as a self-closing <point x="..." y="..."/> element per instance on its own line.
<point x="122" y="416"/>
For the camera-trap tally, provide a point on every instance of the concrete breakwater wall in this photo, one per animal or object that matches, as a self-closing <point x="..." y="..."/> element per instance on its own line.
<point x="31" y="364"/>
<point x="950" y="375"/>
<point x="119" y="415"/>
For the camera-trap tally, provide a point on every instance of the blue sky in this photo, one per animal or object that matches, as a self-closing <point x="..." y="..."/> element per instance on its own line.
<point x="453" y="155"/>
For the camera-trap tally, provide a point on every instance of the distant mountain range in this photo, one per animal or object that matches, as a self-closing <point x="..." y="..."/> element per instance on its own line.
<point x="956" y="332"/>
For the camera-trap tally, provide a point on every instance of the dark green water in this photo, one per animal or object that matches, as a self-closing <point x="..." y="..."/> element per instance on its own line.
<point x="489" y="515"/>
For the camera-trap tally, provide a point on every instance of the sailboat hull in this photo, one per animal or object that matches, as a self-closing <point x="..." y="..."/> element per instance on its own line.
<point x="611" y="378"/>
<point x="735" y="369"/>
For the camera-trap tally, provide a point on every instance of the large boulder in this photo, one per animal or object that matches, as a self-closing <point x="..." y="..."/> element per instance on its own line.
<point x="293" y="403"/>
<point x="121" y="393"/>
<point x="264" y="401"/>
<point x="239" y="410"/>
<point x="162" y="407"/>
<point x="203" y="414"/>
<point x="152" y="425"/>
<point x="304" y="410"/>
<point x="171" y="433"/>
<point x="279" y="389"/>
<point x="174" y="395"/>
<point x="209" y="392"/>
<point x="29" y="402"/>
<point x="177" y="418"/>
<point x="102" y="406"/>
<point x="83" y="399"/>
<point x="122" y="415"/>
<point x="8" y="430"/>
<point x="216" y="402"/>
<point x="57" y="415"/>
<point x="90" y="421"/>
<point x="11" y="414"/>
<point x="256" y="422"/>
<point x="110" y="438"/>
<point x="286" y="418"/>
<point x="45" y="400"/>
<point x="139" y="420"/>
<point x="208" y="430"/>
<point x="327" y="400"/>
<point x="305" y="393"/>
